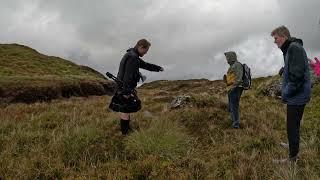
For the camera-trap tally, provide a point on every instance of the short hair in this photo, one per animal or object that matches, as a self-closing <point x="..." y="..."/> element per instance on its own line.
<point x="144" y="43"/>
<point x="281" y="31"/>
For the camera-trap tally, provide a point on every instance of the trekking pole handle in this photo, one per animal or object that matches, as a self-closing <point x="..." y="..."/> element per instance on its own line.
<point x="115" y="79"/>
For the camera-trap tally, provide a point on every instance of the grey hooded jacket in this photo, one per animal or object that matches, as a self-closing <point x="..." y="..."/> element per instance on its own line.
<point x="235" y="71"/>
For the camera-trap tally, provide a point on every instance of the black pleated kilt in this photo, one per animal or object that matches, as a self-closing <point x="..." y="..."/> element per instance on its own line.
<point x="121" y="104"/>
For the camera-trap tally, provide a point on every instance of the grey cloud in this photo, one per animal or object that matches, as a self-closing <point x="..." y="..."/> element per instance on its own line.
<point x="302" y="18"/>
<point x="188" y="37"/>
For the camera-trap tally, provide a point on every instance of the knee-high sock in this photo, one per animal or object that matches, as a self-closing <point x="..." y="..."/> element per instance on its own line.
<point x="124" y="124"/>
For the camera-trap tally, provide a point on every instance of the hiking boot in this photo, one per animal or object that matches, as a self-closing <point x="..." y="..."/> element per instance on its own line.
<point x="236" y="126"/>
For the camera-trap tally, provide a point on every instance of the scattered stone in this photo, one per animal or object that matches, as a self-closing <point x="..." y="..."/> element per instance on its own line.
<point x="180" y="101"/>
<point x="272" y="88"/>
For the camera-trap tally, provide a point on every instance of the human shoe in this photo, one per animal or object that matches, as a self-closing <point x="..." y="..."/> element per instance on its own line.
<point x="284" y="145"/>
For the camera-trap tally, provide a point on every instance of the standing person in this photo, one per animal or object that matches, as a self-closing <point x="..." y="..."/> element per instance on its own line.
<point x="296" y="85"/>
<point x="126" y="100"/>
<point x="233" y="79"/>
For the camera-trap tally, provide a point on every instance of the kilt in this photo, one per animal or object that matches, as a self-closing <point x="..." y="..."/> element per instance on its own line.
<point x="125" y="105"/>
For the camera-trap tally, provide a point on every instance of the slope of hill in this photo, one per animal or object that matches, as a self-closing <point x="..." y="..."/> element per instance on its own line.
<point x="79" y="138"/>
<point x="28" y="76"/>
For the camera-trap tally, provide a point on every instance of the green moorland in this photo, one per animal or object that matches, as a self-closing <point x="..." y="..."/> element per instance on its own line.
<point x="79" y="138"/>
<point x="25" y="71"/>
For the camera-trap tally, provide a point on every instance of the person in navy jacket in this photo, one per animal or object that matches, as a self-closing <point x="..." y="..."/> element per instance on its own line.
<point x="296" y="85"/>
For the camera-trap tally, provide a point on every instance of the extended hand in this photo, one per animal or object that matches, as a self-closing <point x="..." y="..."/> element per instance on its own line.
<point x="161" y="69"/>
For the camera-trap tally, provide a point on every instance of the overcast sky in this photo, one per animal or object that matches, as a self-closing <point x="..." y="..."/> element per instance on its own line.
<point x="188" y="37"/>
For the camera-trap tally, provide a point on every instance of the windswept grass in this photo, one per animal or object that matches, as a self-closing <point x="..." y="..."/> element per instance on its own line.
<point x="79" y="138"/>
<point x="164" y="138"/>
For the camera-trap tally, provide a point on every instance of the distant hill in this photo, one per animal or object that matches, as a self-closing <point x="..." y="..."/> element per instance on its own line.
<point x="28" y="76"/>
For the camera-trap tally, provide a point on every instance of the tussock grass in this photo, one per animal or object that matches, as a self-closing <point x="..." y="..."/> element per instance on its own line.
<point x="79" y="138"/>
<point x="164" y="138"/>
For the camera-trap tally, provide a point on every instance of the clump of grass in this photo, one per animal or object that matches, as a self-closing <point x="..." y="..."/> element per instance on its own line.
<point x="260" y="144"/>
<point x="206" y="100"/>
<point x="164" y="138"/>
<point x="288" y="171"/>
<point x="79" y="147"/>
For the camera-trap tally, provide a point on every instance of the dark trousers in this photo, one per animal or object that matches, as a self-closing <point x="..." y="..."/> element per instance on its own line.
<point x="234" y="99"/>
<point x="294" y="116"/>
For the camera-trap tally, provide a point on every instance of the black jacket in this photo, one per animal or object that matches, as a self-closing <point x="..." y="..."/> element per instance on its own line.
<point x="129" y="69"/>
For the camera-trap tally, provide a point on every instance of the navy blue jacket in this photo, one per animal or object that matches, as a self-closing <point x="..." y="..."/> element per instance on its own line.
<point x="296" y="86"/>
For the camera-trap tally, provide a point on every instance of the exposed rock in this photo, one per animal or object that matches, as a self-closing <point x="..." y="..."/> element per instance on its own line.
<point x="273" y="88"/>
<point x="179" y="101"/>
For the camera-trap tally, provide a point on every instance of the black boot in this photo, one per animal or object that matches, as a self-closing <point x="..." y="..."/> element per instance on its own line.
<point x="124" y="124"/>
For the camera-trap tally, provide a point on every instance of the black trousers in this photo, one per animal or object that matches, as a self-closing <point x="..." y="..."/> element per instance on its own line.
<point x="294" y="116"/>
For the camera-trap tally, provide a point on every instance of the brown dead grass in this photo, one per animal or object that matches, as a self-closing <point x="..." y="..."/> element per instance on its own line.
<point x="79" y="138"/>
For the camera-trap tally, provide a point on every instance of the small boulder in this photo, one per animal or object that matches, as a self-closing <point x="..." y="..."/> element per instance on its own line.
<point x="179" y="101"/>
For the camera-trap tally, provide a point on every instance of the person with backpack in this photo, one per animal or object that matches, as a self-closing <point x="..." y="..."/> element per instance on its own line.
<point x="125" y="99"/>
<point x="296" y="86"/>
<point x="234" y="81"/>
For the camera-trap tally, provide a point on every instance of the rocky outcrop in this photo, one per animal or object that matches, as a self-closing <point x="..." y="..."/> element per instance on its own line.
<point x="272" y="87"/>
<point x="179" y="101"/>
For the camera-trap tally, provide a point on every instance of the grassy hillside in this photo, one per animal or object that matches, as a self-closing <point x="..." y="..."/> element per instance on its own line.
<point x="25" y="71"/>
<point x="80" y="138"/>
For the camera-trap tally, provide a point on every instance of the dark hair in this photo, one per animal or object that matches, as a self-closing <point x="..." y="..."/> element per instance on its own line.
<point x="281" y="31"/>
<point x="144" y="43"/>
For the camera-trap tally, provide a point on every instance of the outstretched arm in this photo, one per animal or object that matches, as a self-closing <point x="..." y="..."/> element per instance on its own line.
<point x="149" y="66"/>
